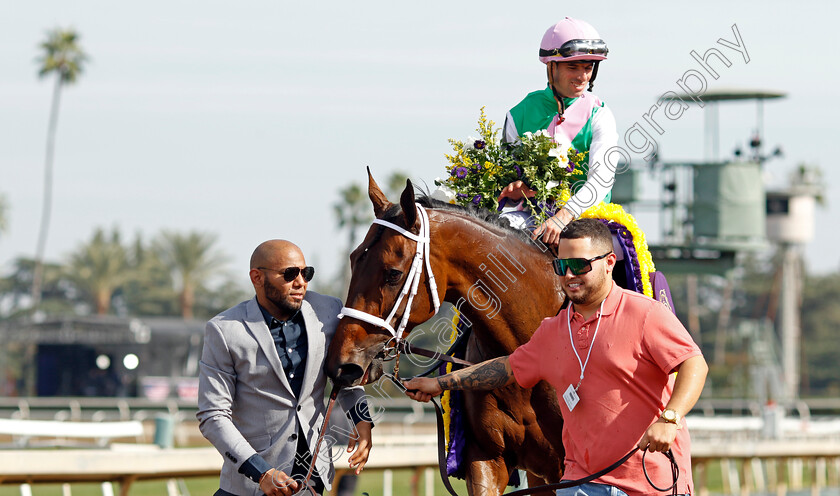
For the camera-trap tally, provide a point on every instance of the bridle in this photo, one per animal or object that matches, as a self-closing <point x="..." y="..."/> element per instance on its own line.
<point x="409" y="288"/>
<point x="412" y="282"/>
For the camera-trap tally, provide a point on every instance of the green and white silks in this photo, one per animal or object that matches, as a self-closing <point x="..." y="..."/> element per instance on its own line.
<point x="588" y="125"/>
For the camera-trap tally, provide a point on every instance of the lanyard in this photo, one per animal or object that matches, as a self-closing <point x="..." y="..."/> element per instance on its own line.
<point x="591" y="344"/>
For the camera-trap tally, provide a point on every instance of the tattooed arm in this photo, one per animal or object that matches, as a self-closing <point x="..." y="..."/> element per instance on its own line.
<point x="484" y="376"/>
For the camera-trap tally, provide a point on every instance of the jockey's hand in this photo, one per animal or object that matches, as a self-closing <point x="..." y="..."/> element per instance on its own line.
<point x="362" y="446"/>
<point x="659" y="436"/>
<point x="277" y="483"/>
<point x="422" y="388"/>
<point x="516" y="191"/>
<point x="551" y="228"/>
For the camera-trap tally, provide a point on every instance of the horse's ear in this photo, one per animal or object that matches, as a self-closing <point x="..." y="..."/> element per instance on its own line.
<point x="377" y="197"/>
<point x="408" y="205"/>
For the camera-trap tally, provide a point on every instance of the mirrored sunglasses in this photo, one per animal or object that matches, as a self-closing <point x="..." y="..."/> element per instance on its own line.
<point x="578" y="266"/>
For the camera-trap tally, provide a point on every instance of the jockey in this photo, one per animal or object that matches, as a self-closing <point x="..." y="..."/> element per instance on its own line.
<point x="572" y="51"/>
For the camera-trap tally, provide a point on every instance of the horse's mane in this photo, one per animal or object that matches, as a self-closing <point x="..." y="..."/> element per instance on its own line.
<point x="488" y="219"/>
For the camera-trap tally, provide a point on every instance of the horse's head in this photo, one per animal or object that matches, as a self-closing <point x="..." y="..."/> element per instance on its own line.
<point x="380" y="267"/>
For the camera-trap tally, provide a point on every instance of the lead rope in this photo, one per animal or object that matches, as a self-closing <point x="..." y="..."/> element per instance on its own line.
<point x="333" y="396"/>
<point x="675" y="472"/>
<point x="397" y="365"/>
<point x="675" y="469"/>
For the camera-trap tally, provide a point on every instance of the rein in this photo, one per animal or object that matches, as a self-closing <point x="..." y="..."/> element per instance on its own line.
<point x="333" y="396"/>
<point x="675" y="470"/>
<point x="410" y="349"/>
<point x="420" y="262"/>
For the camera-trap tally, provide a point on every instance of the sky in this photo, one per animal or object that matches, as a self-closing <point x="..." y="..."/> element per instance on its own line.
<point x="245" y="118"/>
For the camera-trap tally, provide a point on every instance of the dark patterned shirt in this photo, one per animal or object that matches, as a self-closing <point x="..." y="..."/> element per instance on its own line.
<point x="291" y="343"/>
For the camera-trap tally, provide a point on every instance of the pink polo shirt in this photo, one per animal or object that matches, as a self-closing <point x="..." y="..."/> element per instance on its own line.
<point x="626" y="385"/>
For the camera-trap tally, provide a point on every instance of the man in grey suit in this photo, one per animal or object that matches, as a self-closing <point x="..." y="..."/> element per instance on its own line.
<point x="261" y="382"/>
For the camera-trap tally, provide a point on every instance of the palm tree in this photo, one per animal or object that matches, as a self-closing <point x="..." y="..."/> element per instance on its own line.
<point x="192" y="258"/>
<point x="63" y="57"/>
<point x="151" y="289"/>
<point x="100" y="267"/>
<point x="352" y="211"/>
<point x="16" y="288"/>
<point x="395" y="184"/>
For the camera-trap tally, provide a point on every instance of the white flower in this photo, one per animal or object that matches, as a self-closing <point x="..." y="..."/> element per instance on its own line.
<point x="528" y="134"/>
<point x="551" y="185"/>
<point x="543" y="132"/>
<point x="560" y="153"/>
<point x="443" y="193"/>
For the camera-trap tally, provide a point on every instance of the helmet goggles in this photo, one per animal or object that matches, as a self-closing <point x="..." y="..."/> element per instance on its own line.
<point x="577" y="49"/>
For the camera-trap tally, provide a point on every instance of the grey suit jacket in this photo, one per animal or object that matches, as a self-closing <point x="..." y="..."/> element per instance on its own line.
<point x="245" y="402"/>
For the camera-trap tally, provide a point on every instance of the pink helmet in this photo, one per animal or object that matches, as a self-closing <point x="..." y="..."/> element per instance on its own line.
<point x="572" y="39"/>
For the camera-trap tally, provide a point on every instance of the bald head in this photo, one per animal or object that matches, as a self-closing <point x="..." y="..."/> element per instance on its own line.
<point x="281" y="297"/>
<point x="275" y="253"/>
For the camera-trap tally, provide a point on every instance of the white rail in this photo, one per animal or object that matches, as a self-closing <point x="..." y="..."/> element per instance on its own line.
<point x="761" y="464"/>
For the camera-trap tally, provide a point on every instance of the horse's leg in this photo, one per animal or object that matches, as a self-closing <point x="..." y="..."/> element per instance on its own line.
<point x="534" y="481"/>
<point x="486" y="475"/>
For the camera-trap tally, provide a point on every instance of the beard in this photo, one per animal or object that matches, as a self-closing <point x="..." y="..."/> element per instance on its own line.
<point x="284" y="302"/>
<point x="588" y="291"/>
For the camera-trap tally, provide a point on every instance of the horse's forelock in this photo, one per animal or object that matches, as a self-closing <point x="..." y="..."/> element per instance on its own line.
<point x="393" y="214"/>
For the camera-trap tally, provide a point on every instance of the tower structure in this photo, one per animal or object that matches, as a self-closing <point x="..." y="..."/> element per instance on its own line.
<point x="790" y="225"/>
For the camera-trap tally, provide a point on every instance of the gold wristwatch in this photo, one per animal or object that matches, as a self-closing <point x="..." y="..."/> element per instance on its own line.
<point x="671" y="416"/>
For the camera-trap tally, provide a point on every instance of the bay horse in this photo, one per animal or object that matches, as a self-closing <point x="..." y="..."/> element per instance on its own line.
<point x="500" y="280"/>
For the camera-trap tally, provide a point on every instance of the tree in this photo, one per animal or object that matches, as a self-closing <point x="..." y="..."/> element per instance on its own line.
<point x="395" y="184"/>
<point x="59" y="293"/>
<point x="151" y="289"/>
<point x="99" y="268"/>
<point x="191" y="258"/>
<point x="352" y="211"/>
<point x="820" y="346"/>
<point x="63" y="57"/>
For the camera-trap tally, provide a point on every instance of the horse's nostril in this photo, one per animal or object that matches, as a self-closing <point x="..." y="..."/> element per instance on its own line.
<point x="348" y="374"/>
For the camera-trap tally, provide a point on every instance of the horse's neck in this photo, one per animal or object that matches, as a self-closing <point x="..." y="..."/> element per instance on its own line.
<point x="502" y="285"/>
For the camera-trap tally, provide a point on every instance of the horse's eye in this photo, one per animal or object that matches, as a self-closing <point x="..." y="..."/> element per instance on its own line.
<point x="393" y="276"/>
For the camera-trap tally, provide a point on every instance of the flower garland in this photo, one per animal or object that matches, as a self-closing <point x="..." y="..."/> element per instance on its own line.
<point x="633" y="238"/>
<point x="444" y="404"/>
<point x="447" y="394"/>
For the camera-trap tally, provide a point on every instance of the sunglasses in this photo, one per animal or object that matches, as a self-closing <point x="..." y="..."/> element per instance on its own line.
<point x="577" y="47"/>
<point x="578" y="266"/>
<point x="291" y="273"/>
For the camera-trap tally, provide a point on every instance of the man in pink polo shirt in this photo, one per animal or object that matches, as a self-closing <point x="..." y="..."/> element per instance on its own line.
<point x="611" y="357"/>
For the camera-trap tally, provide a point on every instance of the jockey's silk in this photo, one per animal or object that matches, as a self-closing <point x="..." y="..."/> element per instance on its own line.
<point x="538" y="110"/>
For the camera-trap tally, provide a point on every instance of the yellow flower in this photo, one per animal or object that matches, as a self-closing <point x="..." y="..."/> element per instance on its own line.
<point x="447" y="394"/>
<point x="565" y="196"/>
<point x="615" y="213"/>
